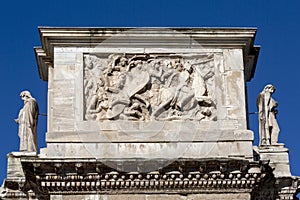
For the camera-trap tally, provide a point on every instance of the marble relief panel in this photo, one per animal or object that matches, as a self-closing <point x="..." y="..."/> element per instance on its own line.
<point x="147" y="87"/>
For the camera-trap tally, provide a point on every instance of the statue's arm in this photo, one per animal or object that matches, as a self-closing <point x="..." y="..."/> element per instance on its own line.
<point x="18" y="119"/>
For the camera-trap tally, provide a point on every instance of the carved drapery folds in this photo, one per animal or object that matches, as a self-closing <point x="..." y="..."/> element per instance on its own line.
<point x="147" y="87"/>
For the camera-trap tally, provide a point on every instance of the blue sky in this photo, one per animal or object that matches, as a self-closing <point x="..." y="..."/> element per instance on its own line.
<point x="278" y="34"/>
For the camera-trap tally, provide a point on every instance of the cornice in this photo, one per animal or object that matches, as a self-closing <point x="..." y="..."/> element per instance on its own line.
<point x="55" y="176"/>
<point x="155" y="37"/>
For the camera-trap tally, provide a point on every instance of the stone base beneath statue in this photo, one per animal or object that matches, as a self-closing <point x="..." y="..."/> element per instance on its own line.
<point x="278" y="156"/>
<point x="14" y="166"/>
<point x="15" y="180"/>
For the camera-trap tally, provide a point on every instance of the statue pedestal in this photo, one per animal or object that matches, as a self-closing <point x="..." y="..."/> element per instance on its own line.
<point x="278" y="157"/>
<point x="14" y="183"/>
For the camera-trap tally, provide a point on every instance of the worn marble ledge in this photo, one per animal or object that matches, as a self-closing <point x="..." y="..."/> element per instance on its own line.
<point x="275" y="148"/>
<point x="19" y="154"/>
<point x="108" y="136"/>
<point x="150" y="150"/>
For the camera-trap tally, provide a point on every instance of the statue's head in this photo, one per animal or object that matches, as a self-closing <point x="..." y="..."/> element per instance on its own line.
<point x="269" y="88"/>
<point x="25" y="95"/>
<point x="123" y="61"/>
<point x="122" y="80"/>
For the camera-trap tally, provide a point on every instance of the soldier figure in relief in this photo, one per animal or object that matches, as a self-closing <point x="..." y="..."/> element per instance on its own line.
<point x="268" y="127"/>
<point x="27" y="120"/>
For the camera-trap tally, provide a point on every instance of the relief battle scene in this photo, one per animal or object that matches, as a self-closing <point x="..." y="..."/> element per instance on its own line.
<point x="147" y="87"/>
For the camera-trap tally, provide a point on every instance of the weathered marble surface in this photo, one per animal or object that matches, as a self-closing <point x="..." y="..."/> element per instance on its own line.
<point x="76" y="71"/>
<point x="145" y="97"/>
<point x="184" y="143"/>
<point x="223" y="99"/>
<point x="149" y="87"/>
<point x="75" y="118"/>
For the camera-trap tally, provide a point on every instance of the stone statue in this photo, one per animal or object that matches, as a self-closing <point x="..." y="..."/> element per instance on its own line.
<point x="27" y="120"/>
<point x="268" y="127"/>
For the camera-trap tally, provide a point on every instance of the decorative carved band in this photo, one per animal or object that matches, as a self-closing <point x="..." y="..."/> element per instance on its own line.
<point x="189" y="176"/>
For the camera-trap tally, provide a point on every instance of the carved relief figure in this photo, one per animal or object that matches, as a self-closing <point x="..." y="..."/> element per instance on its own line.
<point x="27" y="120"/>
<point x="149" y="87"/>
<point x="268" y="126"/>
<point x="98" y="100"/>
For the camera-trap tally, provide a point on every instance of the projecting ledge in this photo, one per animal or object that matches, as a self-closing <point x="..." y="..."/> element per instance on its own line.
<point x="108" y="136"/>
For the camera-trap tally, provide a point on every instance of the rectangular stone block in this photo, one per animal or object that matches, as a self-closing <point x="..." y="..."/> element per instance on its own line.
<point x="115" y="136"/>
<point x="65" y="58"/>
<point x="14" y="167"/>
<point x="278" y="158"/>
<point x="64" y="72"/>
<point x="169" y="150"/>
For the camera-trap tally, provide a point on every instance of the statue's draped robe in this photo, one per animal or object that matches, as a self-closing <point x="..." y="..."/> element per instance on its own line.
<point x="269" y="129"/>
<point x="273" y="122"/>
<point x="28" y="117"/>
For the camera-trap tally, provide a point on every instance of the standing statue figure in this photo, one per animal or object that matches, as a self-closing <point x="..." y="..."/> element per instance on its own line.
<point x="27" y="120"/>
<point x="268" y="126"/>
